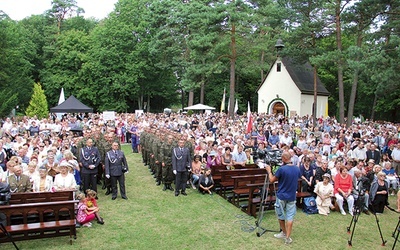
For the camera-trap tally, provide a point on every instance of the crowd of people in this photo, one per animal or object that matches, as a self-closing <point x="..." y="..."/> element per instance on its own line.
<point x="333" y="160"/>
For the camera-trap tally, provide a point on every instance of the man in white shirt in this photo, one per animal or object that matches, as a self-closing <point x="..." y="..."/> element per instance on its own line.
<point x="286" y="140"/>
<point x="7" y="124"/>
<point x="240" y="157"/>
<point x="360" y="152"/>
<point x="396" y="158"/>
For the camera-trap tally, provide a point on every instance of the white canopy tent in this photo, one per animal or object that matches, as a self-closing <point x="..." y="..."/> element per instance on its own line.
<point x="199" y="106"/>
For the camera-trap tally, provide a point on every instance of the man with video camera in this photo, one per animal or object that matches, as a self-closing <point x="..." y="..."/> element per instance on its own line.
<point x="360" y="185"/>
<point x="285" y="206"/>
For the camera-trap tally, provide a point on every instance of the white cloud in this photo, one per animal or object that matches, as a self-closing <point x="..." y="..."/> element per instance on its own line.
<point x="19" y="9"/>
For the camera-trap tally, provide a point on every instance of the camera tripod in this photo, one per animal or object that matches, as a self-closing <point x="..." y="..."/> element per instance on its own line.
<point x="8" y="235"/>
<point x="395" y="234"/>
<point x="264" y="199"/>
<point x="358" y="208"/>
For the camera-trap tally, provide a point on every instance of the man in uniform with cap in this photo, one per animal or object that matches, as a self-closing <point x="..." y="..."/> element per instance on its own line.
<point x="116" y="168"/>
<point x="89" y="158"/>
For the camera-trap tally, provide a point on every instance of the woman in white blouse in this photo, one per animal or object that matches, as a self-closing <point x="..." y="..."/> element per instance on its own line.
<point x="42" y="182"/>
<point x="65" y="180"/>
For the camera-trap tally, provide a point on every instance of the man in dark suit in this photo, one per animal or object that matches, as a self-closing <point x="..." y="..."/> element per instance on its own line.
<point x="180" y="164"/>
<point x="116" y="167"/>
<point x="374" y="154"/>
<point x="89" y="158"/>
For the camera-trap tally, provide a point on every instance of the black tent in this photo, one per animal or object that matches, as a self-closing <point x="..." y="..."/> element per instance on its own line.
<point x="71" y="105"/>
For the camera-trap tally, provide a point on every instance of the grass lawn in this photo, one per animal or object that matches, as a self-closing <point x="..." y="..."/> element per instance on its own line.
<point x="153" y="219"/>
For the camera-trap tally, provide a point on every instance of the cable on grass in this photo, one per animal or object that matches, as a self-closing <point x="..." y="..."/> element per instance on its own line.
<point x="246" y="221"/>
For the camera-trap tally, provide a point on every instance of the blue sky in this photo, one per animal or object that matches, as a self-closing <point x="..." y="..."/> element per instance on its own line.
<point x="19" y="9"/>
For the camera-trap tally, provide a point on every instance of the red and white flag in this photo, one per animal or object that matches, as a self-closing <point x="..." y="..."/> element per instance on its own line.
<point x="249" y="119"/>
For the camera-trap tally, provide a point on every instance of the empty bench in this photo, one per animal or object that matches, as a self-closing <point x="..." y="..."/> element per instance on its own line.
<point x="40" y="220"/>
<point x="36" y="197"/>
<point x="226" y="177"/>
<point x="254" y="199"/>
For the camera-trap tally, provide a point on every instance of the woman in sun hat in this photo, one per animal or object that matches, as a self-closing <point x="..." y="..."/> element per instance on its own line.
<point x="324" y="192"/>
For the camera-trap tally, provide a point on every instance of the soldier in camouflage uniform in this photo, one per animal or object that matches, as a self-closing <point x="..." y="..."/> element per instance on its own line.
<point x="166" y="155"/>
<point x="156" y="148"/>
<point x="144" y="137"/>
<point x="149" y="143"/>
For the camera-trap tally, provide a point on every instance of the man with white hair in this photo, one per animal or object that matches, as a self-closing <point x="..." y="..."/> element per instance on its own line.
<point x="396" y="158"/>
<point x="19" y="183"/>
<point x="286" y="140"/>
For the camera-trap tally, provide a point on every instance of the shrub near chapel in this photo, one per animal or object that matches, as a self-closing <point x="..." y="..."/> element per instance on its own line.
<point x="38" y="103"/>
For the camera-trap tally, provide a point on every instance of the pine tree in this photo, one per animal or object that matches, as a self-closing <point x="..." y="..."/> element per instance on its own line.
<point x="38" y="104"/>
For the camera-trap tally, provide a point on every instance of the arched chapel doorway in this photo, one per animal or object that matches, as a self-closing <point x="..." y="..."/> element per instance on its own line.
<point x="278" y="108"/>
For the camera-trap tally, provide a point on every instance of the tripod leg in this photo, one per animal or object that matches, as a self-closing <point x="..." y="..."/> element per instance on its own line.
<point x="4" y="230"/>
<point x="264" y="192"/>
<point x="397" y="235"/>
<point x="396" y="228"/>
<point x="261" y="230"/>
<point x="355" y="220"/>
<point x="380" y="231"/>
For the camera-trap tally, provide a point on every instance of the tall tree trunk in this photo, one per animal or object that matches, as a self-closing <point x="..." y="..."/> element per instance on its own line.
<point x="373" y="106"/>
<point x="315" y="96"/>
<point x="202" y="91"/>
<point x="202" y="84"/>
<point x="191" y="97"/>
<point x="340" y="60"/>
<point x="350" y="111"/>
<point x="232" y="72"/>
<point x="262" y="63"/>
<point x="148" y="104"/>
<point x="140" y="101"/>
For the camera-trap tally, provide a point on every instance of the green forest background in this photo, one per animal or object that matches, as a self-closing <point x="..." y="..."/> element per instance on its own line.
<point x="157" y="54"/>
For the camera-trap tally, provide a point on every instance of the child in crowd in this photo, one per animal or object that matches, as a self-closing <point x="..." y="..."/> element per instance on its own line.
<point x="91" y="204"/>
<point x="85" y="216"/>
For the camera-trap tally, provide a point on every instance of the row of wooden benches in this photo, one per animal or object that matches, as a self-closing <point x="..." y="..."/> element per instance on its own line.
<point x="39" y="215"/>
<point x="243" y="184"/>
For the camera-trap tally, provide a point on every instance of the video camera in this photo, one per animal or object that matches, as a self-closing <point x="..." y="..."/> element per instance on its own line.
<point x="5" y="193"/>
<point x="273" y="157"/>
<point x="362" y="185"/>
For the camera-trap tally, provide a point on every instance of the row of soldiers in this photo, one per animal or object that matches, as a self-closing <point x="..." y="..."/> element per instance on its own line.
<point x="103" y="142"/>
<point x="157" y="146"/>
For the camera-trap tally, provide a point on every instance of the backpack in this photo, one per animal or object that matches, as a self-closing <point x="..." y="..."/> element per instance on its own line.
<point x="310" y="205"/>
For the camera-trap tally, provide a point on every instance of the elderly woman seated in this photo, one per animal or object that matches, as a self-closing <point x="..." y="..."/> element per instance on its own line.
<point x="43" y="182"/>
<point x="379" y="193"/>
<point x="65" y="180"/>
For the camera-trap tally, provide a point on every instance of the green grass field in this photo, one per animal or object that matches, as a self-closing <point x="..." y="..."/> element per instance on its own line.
<point x="154" y="219"/>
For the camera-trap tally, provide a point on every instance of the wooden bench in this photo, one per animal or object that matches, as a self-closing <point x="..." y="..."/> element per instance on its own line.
<point x="254" y="199"/>
<point x="36" y="197"/>
<point x="240" y="190"/>
<point x="36" y="222"/>
<point x="215" y="170"/>
<point x="227" y="181"/>
<point x="216" y="174"/>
